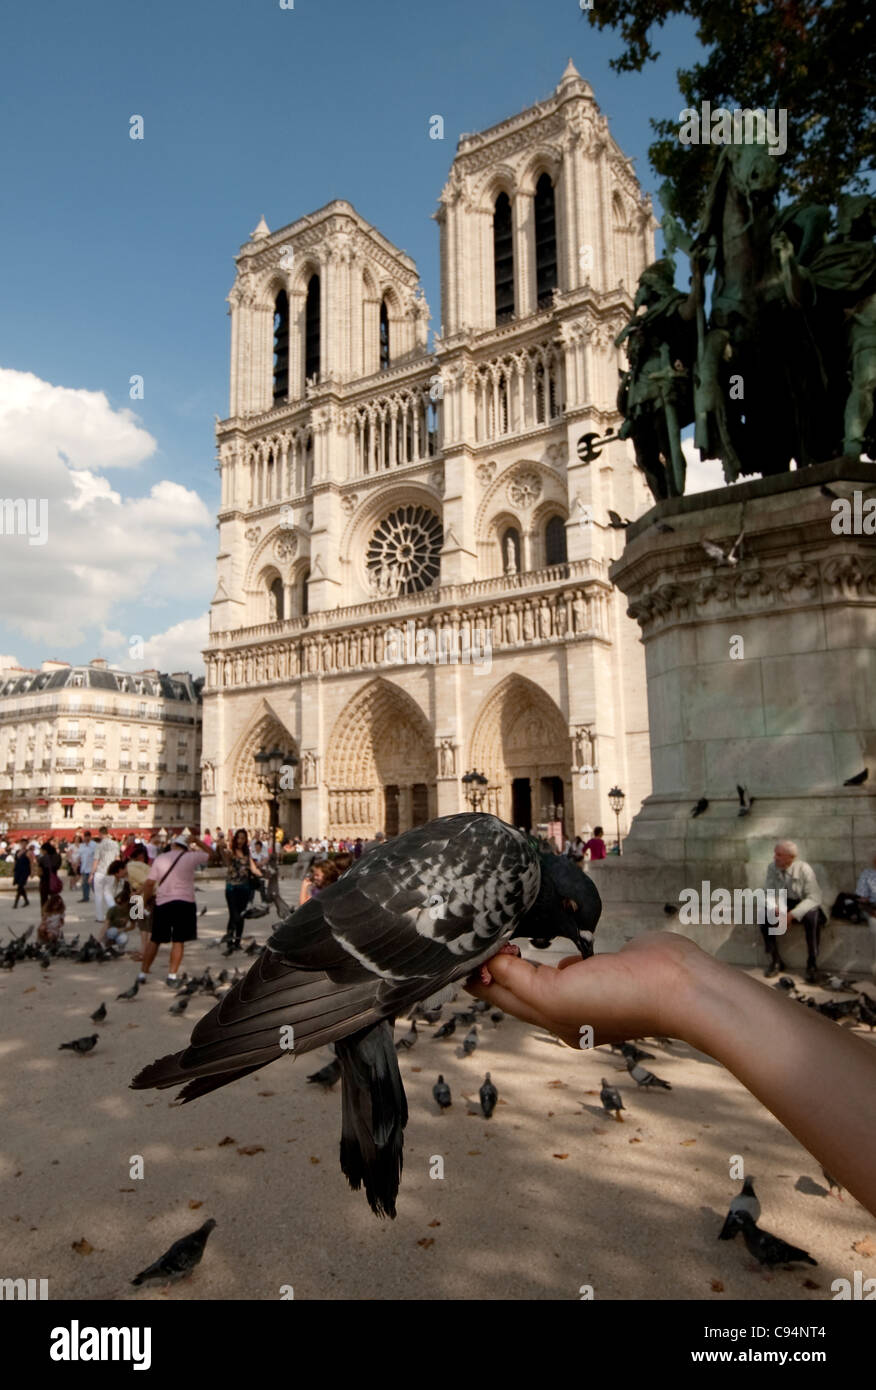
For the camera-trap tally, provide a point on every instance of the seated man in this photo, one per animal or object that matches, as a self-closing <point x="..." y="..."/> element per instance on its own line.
<point x="797" y="879"/>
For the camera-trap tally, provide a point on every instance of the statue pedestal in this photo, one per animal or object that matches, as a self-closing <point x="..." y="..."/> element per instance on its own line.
<point x="761" y="673"/>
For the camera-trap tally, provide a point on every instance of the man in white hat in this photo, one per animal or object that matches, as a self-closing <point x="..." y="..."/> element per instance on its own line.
<point x="171" y="884"/>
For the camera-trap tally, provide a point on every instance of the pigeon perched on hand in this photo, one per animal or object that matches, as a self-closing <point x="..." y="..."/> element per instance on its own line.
<point x="489" y="1096"/>
<point x="767" y="1249"/>
<point x="746" y="1201"/>
<point x="99" y="1014"/>
<point x="181" y="1259"/>
<point x="643" y="1077"/>
<point x="441" y="1092"/>
<point x="412" y="916"/>
<point x="611" y="1100"/>
<point x="327" y="1075"/>
<point x="81" y="1044"/>
<point x="130" y="993"/>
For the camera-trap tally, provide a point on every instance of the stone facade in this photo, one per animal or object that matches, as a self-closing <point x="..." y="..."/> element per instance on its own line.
<point x="92" y="745"/>
<point x="380" y="501"/>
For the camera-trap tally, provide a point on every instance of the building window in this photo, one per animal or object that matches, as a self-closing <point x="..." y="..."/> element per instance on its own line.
<point x="281" y="346"/>
<point x="305" y="580"/>
<point x="68" y="812"/>
<point x="312" y="329"/>
<point x="503" y="258"/>
<point x="384" y="337"/>
<point x="555" y="542"/>
<point x="141" y="709"/>
<point x="275" y="601"/>
<point x="545" y="241"/>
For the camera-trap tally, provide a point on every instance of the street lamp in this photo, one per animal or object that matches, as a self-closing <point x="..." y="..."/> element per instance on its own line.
<point x="616" y="800"/>
<point x="269" y="767"/>
<point x="475" y="784"/>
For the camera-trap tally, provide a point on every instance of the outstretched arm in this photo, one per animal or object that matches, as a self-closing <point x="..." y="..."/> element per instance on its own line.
<point x="819" y="1080"/>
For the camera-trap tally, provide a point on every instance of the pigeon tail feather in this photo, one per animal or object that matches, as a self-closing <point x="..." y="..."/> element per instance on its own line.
<point x="374" y="1113"/>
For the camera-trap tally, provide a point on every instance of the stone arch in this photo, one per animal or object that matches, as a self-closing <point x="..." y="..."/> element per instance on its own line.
<point x="542" y="160"/>
<point x="381" y="741"/>
<point x="521" y="744"/>
<point x="501" y="179"/>
<point x="249" y="804"/>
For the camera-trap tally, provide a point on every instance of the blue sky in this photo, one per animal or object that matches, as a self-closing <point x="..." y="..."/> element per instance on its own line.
<point x="118" y="254"/>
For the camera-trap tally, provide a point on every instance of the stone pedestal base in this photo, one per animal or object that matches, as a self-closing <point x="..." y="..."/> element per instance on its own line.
<point x="761" y="673"/>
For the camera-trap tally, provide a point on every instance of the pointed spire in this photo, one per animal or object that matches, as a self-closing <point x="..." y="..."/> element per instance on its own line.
<point x="572" y="78"/>
<point x="261" y="231"/>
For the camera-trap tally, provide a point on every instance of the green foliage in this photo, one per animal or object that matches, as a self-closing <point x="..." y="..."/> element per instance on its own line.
<point x="815" y="60"/>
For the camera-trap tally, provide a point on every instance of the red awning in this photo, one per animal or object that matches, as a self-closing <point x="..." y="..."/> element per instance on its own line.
<point x="124" y="804"/>
<point x="68" y="801"/>
<point x="142" y="803"/>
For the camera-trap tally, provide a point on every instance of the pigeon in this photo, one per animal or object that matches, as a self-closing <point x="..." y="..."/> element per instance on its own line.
<point x="838" y="1008"/>
<point x="259" y="910"/>
<point x="702" y="805"/>
<point x="432" y="1015"/>
<point x="406" y="1043"/>
<point x="327" y="1075"/>
<point x="441" y="1092"/>
<point x="181" y="1259"/>
<point x="99" y="1014"/>
<point x="866" y="1013"/>
<point x="81" y="1044"/>
<point x="858" y="780"/>
<point x="489" y="1095"/>
<point x="719" y="555"/>
<point x="767" y="1249"/>
<point x="670" y="909"/>
<point x="643" y="1077"/>
<point x="785" y="983"/>
<point x="130" y="993"/>
<point x="497" y="1016"/>
<point x="630" y="1051"/>
<point x="664" y="528"/>
<point x="418" y="913"/>
<point x="470" y="1041"/>
<point x="616" y="522"/>
<point x="832" y="1183"/>
<point x="466" y="1016"/>
<point x="203" y="911"/>
<point x="746" y="1200"/>
<point x="836" y="982"/>
<point x="480" y="1006"/>
<point x="745" y="801"/>
<point x="446" y="1029"/>
<point x="223" y="977"/>
<point x="179" y="1006"/>
<point x="611" y="1100"/>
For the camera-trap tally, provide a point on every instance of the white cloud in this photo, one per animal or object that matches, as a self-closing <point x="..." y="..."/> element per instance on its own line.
<point x="109" y="560"/>
<point x="177" y="648"/>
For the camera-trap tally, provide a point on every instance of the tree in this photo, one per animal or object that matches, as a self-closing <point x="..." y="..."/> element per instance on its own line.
<point x="814" y="60"/>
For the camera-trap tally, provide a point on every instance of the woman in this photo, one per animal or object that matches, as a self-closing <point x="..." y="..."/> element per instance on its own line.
<point x="22" y="869"/>
<point x="49" y="862"/>
<point x="51" y="928"/>
<point x="320" y="877"/>
<point x="71" y="858"/>
<point x="240" y="870"/>
<point x="138" y="871"/>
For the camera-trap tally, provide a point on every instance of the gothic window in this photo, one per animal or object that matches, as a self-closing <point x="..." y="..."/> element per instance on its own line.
<point x="384" y="337"/>
<point x="555" y="542"/>
<point x="511" y="551"/>
<point x="545" y="241"/>
<point x="503" y="258"/>
<point x="305" y="580"/>
<point x="404" y="554"/>
<point x="275" y="601"/>
<point x="281" y="347"/>
<point x="312" y="329"/>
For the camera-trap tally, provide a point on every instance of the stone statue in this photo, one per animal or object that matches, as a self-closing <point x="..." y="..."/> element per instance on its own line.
<point x="510" y="556"/>
<point x="207" y="782"/>
<point x="528" y="623"/>
<point x="511" y="625"/>
<point x="579" y="612"/>
<point x="447" y="757"/>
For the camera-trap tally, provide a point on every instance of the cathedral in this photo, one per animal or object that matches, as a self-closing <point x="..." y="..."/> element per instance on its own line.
<point x="414" y="543"/>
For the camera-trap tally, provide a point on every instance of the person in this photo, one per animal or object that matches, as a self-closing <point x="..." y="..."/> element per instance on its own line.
<point x="71" y="858"/>
<point x="575" y="850"/>
<point x="51" y="927"/>
<point x="106" y="850"/>
<point x="22" y="868"/>
<point x="128" y="846"/>
<point x="87" y="851"/>
<point x="260" y="858"/>
<point x="865" y="892"/>
<point x="663" y="984"/>
<point x="171" y="886"/>
<point x="321" y="875"/>
<point x="239" y="871"/>
<point x="789" y="874"/>
<point x="595" y="846"/>
<point x="357" y="847"/>
<point x="49" y="862"/>
<point x="138" y="871"/>
<point x="118" y="916"/>
<point x="343" y="861"/>
<point x="207" y="838"/>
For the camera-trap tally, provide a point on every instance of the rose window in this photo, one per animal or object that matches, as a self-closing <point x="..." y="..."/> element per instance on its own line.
<point x="404" y="554"/>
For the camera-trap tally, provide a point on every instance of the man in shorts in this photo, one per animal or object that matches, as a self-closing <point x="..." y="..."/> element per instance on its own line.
<point x="171" y="885"/>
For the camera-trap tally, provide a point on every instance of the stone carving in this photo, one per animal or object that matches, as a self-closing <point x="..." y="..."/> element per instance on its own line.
<point x="252" y="534"/>
<point x="286" y="547"/>
<point x="308" y="769"/>
<point x="524" y="489"/>
<point x="485" y="472"/>
<point x="348" y="503"/>
<point x="207" y="777"/>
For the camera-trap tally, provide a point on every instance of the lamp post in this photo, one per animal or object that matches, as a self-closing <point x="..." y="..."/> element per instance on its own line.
<point x="616" y="800"/>
<point x="268" y="772"/>
<point x="475" y="784"/>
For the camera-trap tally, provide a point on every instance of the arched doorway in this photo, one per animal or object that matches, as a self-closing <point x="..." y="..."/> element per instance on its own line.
<point x="380" y="764"/>
<point x="521" y="744"/>
<point x="250" y="804"/>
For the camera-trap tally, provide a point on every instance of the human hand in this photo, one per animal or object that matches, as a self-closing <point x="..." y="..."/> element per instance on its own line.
<point x="638" y="991"/>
